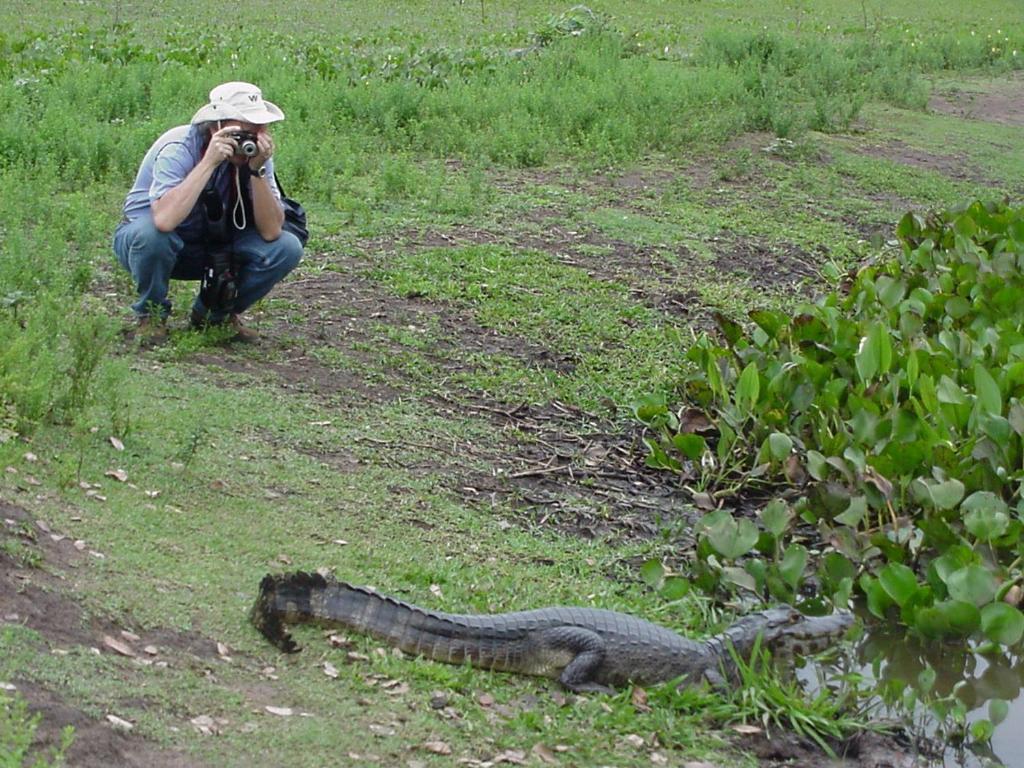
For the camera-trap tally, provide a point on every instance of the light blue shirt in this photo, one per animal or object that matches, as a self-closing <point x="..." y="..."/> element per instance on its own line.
<point x="171" y="158"/>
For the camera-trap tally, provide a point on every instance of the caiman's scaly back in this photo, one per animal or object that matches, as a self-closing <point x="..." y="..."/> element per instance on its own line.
<point x="586" y="649"/>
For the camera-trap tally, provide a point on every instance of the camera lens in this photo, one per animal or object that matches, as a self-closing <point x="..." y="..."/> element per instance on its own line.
<point x="248" y="147"/>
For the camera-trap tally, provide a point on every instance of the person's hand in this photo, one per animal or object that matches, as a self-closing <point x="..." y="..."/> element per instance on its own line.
<point x="265" y="148"/>
<point x="222" y="146"/>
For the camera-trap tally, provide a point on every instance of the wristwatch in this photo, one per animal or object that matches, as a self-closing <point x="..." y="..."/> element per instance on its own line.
<point x="261" y="172"/>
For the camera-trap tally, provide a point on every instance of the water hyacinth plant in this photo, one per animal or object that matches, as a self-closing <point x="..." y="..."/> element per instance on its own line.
<point x="888" y="420"/>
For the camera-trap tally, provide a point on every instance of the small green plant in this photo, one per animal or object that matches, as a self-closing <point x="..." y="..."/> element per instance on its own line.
<point x="17" y="732"/>
<point x="776" y="699"/>
<point x="889" y="421"/>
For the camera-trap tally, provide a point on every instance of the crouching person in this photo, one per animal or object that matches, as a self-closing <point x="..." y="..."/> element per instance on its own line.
<point x="205" y="206"/>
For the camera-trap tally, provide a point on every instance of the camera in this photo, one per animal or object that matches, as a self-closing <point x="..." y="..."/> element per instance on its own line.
<point x="246" y="143"/>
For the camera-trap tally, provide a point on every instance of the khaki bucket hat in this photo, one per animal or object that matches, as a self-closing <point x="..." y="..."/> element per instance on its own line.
<point x="238" y="101"/>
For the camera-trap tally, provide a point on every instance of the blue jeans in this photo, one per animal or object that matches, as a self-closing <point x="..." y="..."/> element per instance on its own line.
<point x="154" y="258"/>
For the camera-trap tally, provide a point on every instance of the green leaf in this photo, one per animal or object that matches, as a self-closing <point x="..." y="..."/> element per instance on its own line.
<point x="770" y="322"/>
<point x="990" y="400"/>
<point x="931" y="622"/>
<point x="792" y="566"/>
<point x="1002" y="623"/>
<point x="899" y="582"/>
<point x="998" y="709"/>
<point x="739" y="578"/>
<point x="854" y="513"/>
<point x="690" y="445"/>
<point x="780" y="445"/>
<point x="957" y="307"/>
<point x="836" y="567"/>
<point x="867" y="358"/>
<point x="748" y="389"/>
<point x="982" y="730"/>
<point x="878" y="599"/>
<point x="675" y="588"/>
<point x="1016" y="418"/>
<point x="731" y="538"/>
<point x="950" y="392"/>
<point x="973" y="584"/>
<point x="986" y="516"/>
<point x="962" y="618"/>
<point x="912" y="368"/>
<point x="890" y="291"/>
<point x="926" y="680"/>
<point x="649" y="408"/>
<point x="817" y="466"/>
<point x="653" y="573"/>
<point x="945" y="495"/>
<point x="775" y="517"/>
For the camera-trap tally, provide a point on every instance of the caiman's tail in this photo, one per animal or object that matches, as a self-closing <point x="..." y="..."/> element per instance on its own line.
<point x="305" y="598"/>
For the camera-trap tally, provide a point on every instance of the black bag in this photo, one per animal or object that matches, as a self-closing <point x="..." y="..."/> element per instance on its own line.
<point x="294" y="216"/>
<point x="219" y="287"/>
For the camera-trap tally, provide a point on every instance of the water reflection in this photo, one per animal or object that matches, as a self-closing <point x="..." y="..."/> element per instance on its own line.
<point x="894" y="660"/>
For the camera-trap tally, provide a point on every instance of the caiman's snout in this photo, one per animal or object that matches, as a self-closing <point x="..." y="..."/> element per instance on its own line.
<point x="807" y="635"/>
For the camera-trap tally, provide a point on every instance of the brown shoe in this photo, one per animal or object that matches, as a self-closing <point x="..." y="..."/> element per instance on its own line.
<point x="150" y="331"/>
<point x="242" y="334"/>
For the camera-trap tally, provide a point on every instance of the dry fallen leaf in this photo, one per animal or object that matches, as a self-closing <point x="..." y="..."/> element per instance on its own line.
<point x="633" y="740"/>
<point x="151" y="650"/>
<point x="8" y="687"/>
<point x="640" y="700"/>
<point x="353" y="656"/>
<point x="118" y="722"/>
<point x="116" y="645"/>
<point x="658" y="759"/>
<point x="118" y="445"/>
<point x="746" y="729"/>
<point x="437" y="747"/>
<point x="280" y="711"/>
<point x="485" y="700"/>
<point x="339" y="641"/>
<point x="1013" y="595"/>
<point x="544" y="754"/>
<point x="698" y="764"/>
<point x="118" y="474"/>
<point x="330" y="670"/>
<point x="513" y="756"/>
<point x="131" y="637"/>
<point x="223" y="650"/>
<point x="205" y="724"/>
<point x="435" y="590"/>
<point x="396" y="690"/>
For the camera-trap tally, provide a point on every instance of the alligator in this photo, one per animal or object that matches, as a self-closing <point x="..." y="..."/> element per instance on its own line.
<point x="585" y="649"/>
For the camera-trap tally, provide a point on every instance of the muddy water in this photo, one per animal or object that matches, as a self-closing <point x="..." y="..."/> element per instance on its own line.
<point x="888" y="656"/>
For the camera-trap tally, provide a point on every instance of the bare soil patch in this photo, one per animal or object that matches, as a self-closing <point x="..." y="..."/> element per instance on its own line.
<point x="1001" y="102"/>
<point x="951" y="166"/>
<point x="38" y="596"/>
<point x="766" y="266"/>
<point x="866" y="750"/>
<point x="573" y="471"/>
